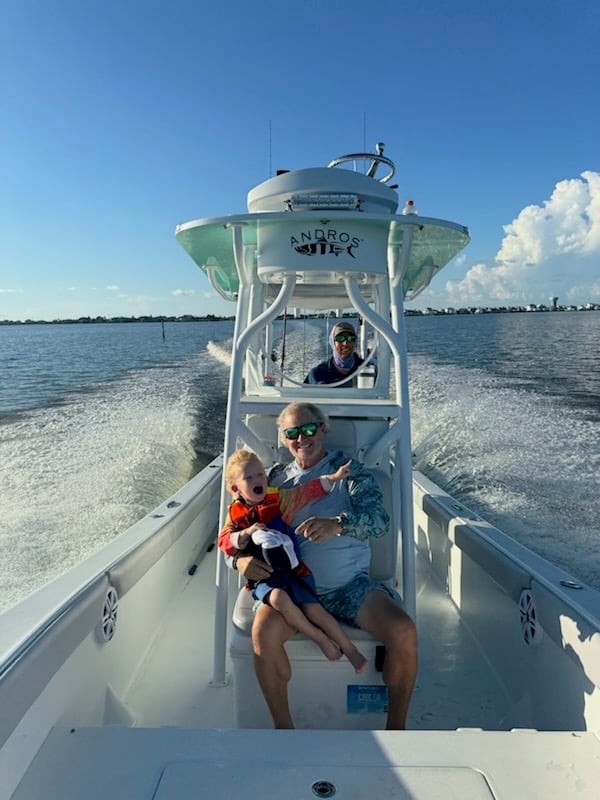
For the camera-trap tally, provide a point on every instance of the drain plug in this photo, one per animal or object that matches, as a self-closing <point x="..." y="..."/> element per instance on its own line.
<point x="323" y="789"/>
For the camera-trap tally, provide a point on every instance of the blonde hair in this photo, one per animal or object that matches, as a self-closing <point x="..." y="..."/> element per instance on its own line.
<point x="235" y="465"/>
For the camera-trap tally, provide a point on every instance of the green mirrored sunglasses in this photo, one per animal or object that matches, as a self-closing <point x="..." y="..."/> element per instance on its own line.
<point x="309" y="429"/>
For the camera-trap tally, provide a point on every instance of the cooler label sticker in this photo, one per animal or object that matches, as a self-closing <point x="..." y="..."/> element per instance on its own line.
<point x="366" y="699"/>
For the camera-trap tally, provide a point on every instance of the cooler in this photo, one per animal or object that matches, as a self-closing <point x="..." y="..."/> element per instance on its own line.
<point x="322" y="694"/>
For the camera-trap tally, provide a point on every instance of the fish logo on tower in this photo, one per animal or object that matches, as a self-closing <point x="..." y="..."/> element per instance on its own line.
<point x="321" y="242"/>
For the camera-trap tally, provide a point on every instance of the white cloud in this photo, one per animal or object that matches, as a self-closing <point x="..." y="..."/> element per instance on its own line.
<point x="112" y="288"/>
<point x="183" y="292"/>
<point x="591" y="291"/>
<point x="548" y="250"/>
<point x="11" y="291"/>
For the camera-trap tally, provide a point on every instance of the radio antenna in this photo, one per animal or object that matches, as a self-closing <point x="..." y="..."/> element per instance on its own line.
<point x="270" y="151"/>
<point x="364" y="131"/>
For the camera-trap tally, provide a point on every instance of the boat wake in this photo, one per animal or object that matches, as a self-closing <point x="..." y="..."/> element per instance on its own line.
<point x="221" y="351"/>
<point x="519" y="459"/>
<point x="76" y="474"/>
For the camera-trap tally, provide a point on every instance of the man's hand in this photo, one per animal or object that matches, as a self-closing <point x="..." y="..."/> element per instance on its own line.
<point x="253" y="568"/>
<point x="318" y="529"/>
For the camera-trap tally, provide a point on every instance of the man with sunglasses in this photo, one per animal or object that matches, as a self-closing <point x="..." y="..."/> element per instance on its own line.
<point x="344" y="360"/>
<point x="334" y="533"/>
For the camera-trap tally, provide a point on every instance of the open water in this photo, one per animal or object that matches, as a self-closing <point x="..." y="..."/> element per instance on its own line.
<point x="99" y="423"/>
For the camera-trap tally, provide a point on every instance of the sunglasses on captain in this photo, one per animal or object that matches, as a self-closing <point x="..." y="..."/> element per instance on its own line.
<point x="309" y="429"/>
<point x="345" y="337"/>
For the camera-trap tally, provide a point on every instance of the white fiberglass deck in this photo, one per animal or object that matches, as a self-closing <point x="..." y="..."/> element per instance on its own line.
<point x="182" y="744"/>
<point x="455" y="687"/>
<point x="179" y="764"/>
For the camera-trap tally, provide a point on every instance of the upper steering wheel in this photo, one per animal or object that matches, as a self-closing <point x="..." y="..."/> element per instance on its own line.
<point x="375" y="159"/>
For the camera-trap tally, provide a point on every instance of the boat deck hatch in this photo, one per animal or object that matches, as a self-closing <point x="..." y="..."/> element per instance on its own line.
<point x="219" y="764"/>
<point x="187" y="779"/>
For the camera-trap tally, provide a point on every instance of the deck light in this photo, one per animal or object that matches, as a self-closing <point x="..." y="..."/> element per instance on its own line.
<point x="349" y="202"/>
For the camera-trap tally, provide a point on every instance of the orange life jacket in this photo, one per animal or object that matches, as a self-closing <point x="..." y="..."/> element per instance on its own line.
<point x="243" y="515"/>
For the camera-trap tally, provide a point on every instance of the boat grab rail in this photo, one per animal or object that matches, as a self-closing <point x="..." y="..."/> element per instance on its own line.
<point x="403" y="471"/>
<point x="305" y="386"/>
<point x="234" y="428"/>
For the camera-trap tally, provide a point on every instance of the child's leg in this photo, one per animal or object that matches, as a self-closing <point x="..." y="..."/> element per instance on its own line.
<point x="280" y="600"/>
<point x="328" y="623"/>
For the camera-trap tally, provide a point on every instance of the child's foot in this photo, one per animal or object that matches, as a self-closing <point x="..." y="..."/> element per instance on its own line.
<point x="358" y="661"/>
<point x="330" y="648"/>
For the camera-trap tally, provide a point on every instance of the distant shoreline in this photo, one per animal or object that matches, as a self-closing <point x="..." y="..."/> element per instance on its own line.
<point x="110" y="320"/>
<point x="408" y="312"/>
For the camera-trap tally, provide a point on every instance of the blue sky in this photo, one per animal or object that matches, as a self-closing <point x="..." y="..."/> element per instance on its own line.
<point x="122" y="119"/>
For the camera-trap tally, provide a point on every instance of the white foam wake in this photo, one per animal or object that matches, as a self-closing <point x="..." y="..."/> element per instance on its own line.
<point x="75" y="475"/>
<point x="522" y="460"/>
<point x="221" y="351"/>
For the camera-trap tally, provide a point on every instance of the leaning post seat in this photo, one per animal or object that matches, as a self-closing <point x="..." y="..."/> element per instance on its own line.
<point x="323" y="693"/>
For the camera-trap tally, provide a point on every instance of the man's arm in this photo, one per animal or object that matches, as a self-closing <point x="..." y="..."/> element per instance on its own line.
<point x="367" y="517"/>
<point x="251" y="567"/>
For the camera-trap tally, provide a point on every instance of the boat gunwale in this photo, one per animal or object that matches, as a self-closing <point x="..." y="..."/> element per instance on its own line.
<point x="100" y="566"/>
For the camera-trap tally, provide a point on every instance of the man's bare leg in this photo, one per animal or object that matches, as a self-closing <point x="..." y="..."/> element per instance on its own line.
<point x="270" y="631"/>
<point x="390" y="625"/>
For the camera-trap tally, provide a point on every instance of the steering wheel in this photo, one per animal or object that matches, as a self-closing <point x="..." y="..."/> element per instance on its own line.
<point x="375" y="160"/>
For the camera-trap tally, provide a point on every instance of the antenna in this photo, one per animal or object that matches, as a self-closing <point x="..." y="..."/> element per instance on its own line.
<point x="364" y="131"/>
<point x="270" y="151"/>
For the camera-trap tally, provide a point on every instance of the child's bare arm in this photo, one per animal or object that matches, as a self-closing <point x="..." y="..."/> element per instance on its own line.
<point x="294" y="498"/>
<point x="241" y="538"/>
<point x="341" y="473"/>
